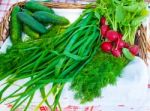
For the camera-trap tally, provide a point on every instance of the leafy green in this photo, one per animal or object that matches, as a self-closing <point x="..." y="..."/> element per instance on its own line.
<point x="101" y="71"/>
<point x="120" y="14"/>
<point x="54" y="30"/>
<point x="124" y="16"/>
<point x="51" y="59"/>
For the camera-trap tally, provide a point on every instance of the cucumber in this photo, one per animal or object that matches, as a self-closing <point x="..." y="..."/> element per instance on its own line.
<point x="27" y="11"/>
<point x="31" y="33"/>
<point x="50" y="18"/>
<point x="127" y="54"/>
<point x="15" y="26"/>
<point x="30" y="13"/>
<point x="31" y="22"/>
<point x="36" y="6"/>
<point x="27" y="30"/>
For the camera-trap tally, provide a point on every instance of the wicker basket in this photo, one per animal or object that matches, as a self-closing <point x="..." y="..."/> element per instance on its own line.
<point x="141" y="40"/>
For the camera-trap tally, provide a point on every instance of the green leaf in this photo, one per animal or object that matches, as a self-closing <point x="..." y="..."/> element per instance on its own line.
<point x="97" y="14"/>
<point x="131" y="8"/>
<point x="43" y="94"/>
<point x="127" y="54"/>
<point x="120" y="14"/>
<point x="145" y="12"/>
<point x="137" y="21"/>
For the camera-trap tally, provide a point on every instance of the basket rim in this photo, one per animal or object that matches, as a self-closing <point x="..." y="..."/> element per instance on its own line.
<point x="57" y="5"/>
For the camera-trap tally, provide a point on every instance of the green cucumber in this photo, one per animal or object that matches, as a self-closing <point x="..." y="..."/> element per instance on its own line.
<point x="30" y="13"/>
<point x="31" y="33"/>
<point x="127" y="54"/>
<point x="27" y="11"/>
<point x="31" y="22"/>
<point x="27" y="30"/>
<point x="15" y="26"/>
<point x="36" y="6"/>
<point x="46" y="17"/>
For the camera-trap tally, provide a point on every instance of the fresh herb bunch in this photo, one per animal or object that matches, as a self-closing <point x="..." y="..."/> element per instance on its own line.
<point x="123" y="15"/>
<point x="102" y="70"/>
<point x="53" y="31"/>
<point x="55" y="60"/>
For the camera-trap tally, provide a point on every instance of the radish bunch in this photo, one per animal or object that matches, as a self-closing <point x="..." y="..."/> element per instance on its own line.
<point x="113" y="42"/>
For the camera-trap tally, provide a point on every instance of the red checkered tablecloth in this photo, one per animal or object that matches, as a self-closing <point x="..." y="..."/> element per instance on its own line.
<point x="5" y="5"/>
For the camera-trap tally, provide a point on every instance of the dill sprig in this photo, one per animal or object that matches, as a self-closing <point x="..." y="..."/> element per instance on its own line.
<point x="101" y="71"/>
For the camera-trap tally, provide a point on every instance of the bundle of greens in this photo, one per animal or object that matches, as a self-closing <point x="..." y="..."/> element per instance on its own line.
<point x="102" y="70"/>
<point x="57" y="61"/>
<point x="123" y="15"/>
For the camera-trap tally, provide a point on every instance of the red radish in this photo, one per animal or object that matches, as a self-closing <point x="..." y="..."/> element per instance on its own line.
<point x="126" y="45"/>
<point x="134" y="49"/>
<point x="120" y="43"/>
<point x="112" y="35"/>
<point x="106" y="46"/>
<point x="116" y="52"/>
<point x="120" y="35"/>
<point x="104" y="29"/>
<point x="103" y="21"/>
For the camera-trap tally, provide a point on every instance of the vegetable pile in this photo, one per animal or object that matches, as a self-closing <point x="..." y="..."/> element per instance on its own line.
<point x="33" y="19"/>
<point x="124" y="16"/>
<point x="57" y="61"/>
<point x="90" y="53"/>
<point x="119" y="25"/>
<point x="113" y="42"/>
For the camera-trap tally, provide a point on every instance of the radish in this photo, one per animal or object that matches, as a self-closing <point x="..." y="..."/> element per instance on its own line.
<point x="112" y="35"/>
<point x="126" y="45"/>
<point x="134" y="49"/>
<point x="120" y="35"/>
<point x="104" y="29"/>
<point x="103" y="21"/>
<point x="120" y="43"/>
<point x="116" y="52"/>
<point x="106" y="46"/>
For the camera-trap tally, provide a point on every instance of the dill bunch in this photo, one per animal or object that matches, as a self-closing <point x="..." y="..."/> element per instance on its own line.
<point x="101" y="71"/>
